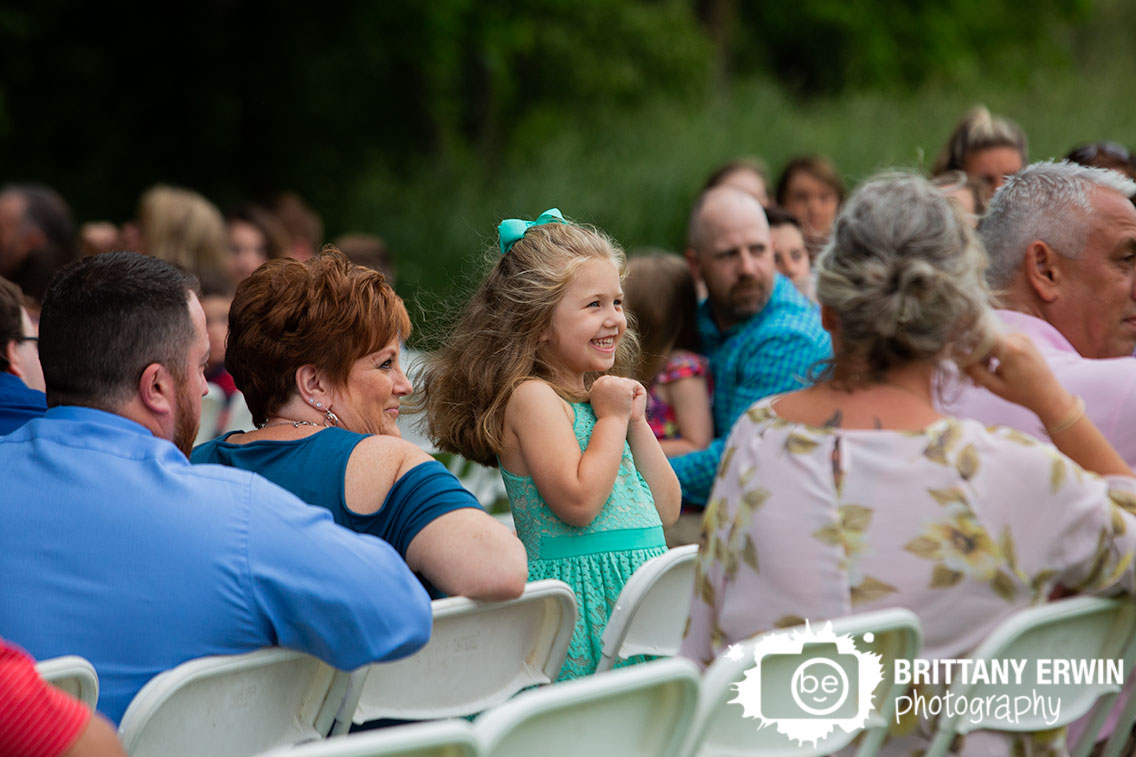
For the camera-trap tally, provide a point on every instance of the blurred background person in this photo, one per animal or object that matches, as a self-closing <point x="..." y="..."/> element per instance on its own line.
<point x="1104" y="155"/>
<point x="98" y="237"/>
<point x="789" y="252"/>
<point x="182" y="227"/>
<point x="969" y="194"/>
<point x="255" y="236"/>
<point x="659" y="292"/>
<point x="315" y="347"/>
<point x="985" y="147"/>
<point x="21" y="377"/>
<point x="37" y="238"/>
<point x="302" y="225"/>
<point x="811" y="189"/>
<point x="746" y="174"/>
<point x="369" y="251"/>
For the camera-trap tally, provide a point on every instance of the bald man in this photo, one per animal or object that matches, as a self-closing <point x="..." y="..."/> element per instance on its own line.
<point x="760" y="333"/>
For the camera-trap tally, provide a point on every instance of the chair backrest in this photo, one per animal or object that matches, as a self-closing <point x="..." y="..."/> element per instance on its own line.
<point x="234" y="705"/>
<point x="650" y="612"/>
<point x="1088" y="629"/>
<point x="721" y="729"/>
<point x="644" y="709"/>
<point x="436" y="738"/>
<point x="72" y="674"/>
<point x="479" y="655"/>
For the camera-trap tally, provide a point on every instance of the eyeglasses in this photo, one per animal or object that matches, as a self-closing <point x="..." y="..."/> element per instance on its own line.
<point x="1086" y="154"/>
<point x="33" y="339"/>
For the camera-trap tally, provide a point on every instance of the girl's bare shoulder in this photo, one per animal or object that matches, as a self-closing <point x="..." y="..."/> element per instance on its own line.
<point x="535" y="399"/>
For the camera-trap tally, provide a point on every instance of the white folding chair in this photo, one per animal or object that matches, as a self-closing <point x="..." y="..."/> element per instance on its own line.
<point x="72" y="674"/>
<point x="1080" y="628"/>
<point x="234" y="705"/>
<point x="650" y="612"/>
<point x="641" y="710"/>
<point x="479" y="655"/>
<point x="721" y="730"/>
<point x="436" y="738"/>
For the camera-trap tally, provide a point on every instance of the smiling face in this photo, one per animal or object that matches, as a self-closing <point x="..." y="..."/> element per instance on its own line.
<point x="587" y="323"/>
<point x="368" y="402"/>
<point x="1096" y="308"/>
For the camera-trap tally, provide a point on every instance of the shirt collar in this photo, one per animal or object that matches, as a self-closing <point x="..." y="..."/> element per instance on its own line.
<point x="708" y="329"/>
<point x="98" y="417"/>
<point x="1042" y="332"/>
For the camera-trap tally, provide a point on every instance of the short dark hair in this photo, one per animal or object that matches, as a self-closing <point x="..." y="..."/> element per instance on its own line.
<point x="778" y="216"/>
<point x="11" y="321"/>
<point x="107" y="317"/>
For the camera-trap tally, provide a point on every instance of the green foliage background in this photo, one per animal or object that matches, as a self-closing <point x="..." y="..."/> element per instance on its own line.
<point x="427" y="122"/>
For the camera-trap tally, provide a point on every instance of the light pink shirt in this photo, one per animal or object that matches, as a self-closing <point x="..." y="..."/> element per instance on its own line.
<point x="1107" y="386"/>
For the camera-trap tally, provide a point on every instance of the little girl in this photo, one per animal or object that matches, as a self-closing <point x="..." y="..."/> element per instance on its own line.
<point x="661" y="297"/>
<point x="526" y="382"/>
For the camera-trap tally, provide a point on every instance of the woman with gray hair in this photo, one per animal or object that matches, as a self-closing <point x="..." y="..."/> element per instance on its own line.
<point x="856" y="494"/>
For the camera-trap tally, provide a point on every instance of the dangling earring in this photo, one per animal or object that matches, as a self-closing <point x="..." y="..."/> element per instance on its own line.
<point x="330" y="418"/>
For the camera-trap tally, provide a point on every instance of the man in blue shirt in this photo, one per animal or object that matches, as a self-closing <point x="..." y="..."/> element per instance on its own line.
<point x="21" y="379"/>
<point x="115" y="548"/>
<point x="762" y="336"/>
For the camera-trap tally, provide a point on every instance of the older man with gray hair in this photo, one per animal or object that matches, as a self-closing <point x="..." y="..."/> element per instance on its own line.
<point x="1062" y="246"/>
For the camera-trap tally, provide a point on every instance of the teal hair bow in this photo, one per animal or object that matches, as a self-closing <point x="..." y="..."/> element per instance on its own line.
<point x="512" y="229"/>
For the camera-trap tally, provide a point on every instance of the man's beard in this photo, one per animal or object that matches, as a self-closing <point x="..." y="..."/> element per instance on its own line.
<point x="186" y="421"/>
<point x="748" y="298"/>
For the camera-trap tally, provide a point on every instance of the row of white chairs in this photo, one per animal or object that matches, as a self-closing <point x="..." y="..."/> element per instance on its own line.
<point x="482" y="654"/>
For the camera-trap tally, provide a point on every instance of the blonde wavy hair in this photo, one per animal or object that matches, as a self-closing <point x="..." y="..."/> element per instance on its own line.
<point x="498" y="341"/>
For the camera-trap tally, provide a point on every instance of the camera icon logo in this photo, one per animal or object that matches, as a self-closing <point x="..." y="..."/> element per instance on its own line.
<point x="819" y="680"/>
<point x="808" y="682"/>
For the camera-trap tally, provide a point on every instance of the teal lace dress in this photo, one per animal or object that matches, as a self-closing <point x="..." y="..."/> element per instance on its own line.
<point x="595" y="560"/>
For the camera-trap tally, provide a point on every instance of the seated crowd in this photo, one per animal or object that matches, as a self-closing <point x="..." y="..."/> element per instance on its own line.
<point x="880" y="404"/>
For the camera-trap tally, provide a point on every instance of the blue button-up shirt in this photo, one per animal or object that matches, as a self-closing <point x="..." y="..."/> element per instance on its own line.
<point x="18" y="403"/>
<point x="768" y="353"/>
<point x="115" y="548"/>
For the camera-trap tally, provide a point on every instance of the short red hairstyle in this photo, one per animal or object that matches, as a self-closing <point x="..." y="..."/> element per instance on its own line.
<point x="327" y="312"/>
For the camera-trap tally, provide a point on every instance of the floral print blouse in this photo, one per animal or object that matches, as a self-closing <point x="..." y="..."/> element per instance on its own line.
<point x="959" y="523"/>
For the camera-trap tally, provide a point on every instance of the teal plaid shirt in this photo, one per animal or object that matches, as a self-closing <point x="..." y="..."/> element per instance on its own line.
<point x="767" y="354"/>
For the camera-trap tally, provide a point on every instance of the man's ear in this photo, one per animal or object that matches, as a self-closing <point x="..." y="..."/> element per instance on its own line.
<point x="158" y="390"/>
<point x="1042" y="268"/>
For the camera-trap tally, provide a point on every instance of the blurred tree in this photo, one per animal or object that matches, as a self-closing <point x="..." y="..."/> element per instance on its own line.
<point x="237" y="98"/>
<point x="825" y="46"/>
